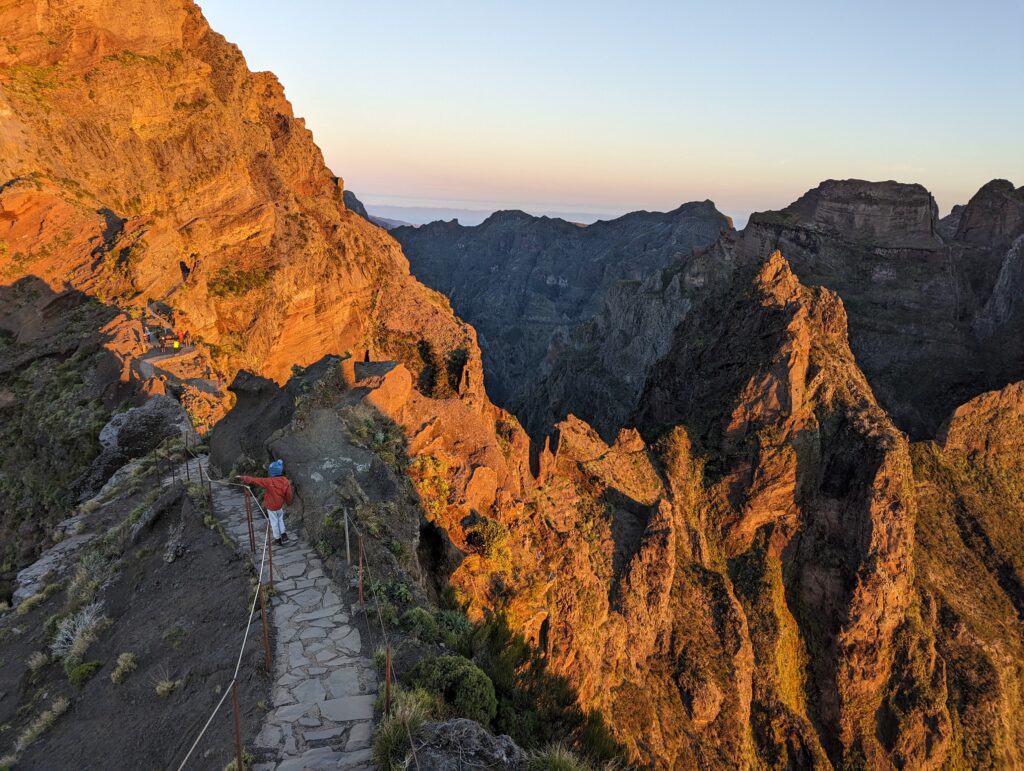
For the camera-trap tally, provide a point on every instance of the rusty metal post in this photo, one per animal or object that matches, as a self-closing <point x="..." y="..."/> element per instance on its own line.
<point x="387" y="681"/>
<point x="188" y="471"/>
<point x="248" y="519"/>
<point x="348" y="549"/>
<point x="266" y="632"/>
<point x="360" y="537"/>
<point x="270" y="556"/>
<point x="238" y="726"/>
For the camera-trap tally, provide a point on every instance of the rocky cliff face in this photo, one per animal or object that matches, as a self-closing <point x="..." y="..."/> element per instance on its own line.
<point x="970" y="576"/>
<point x="141" y="161"/>
<point x="524" y="281"/>
<point x="597" y="370"/>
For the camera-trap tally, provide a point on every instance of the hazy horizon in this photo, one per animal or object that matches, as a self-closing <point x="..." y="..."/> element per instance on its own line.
<point x="605" y="110"/>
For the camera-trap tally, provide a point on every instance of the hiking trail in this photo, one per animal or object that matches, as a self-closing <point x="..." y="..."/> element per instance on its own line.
<point x="324" y="686"/>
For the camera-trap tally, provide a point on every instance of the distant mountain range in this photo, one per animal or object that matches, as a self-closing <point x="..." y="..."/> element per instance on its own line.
<point x="422" y="215"/>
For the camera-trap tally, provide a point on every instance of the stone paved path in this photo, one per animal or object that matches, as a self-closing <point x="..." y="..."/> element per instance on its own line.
<point x="324" y="686"/>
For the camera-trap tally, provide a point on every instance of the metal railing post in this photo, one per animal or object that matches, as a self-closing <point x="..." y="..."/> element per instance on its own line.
<point x="238" y="727"/>
<point x="248" y="519"/>
<point x="266" y="632"/>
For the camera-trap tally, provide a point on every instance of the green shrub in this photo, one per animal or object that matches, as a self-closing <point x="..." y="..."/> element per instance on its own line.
<point x="461" y="683"/>
<point x="388" y="612"/>
<point x="454" y="627"/>
<point x="82" y="673"/>
<point x="490" y="539"/>
<point x="233" y="283"/>
<point x="421" y="624"/>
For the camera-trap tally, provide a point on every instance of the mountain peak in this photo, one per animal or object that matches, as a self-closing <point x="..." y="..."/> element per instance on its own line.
<point x="504" y="216"/>
<point x="893" y="213"/>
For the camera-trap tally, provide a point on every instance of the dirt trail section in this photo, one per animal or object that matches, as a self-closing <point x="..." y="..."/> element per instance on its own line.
<point x="151" y="603"/>
<point x="324" y="685"/>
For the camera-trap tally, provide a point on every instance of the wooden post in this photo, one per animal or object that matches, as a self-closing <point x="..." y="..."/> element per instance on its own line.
<point x="238" y="726"/>
<point x="188" y="471"/>
<point x="266" y="632"/>
<point x="387" y="681"/>
<point x="248" y="519"/>
<point x="270" y="555"/>
<point x="348" y="549"/>
<point x="360" y="537"/>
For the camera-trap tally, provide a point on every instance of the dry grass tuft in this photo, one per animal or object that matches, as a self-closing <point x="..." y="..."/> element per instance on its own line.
<point x="126" y="664"/>
<point x="41" y="724"/>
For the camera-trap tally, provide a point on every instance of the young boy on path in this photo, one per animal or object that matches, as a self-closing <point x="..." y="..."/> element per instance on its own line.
<point x="278" y="494"/>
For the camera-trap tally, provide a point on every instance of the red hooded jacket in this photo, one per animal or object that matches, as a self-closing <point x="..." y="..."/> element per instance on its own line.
<point x="278" y="491"/>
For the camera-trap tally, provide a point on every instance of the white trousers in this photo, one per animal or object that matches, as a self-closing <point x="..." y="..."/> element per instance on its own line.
<point x="277" y="522"/>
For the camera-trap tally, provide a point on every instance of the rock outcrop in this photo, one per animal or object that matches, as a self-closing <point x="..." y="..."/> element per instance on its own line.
<point x="454" y="744"/>
<point x="524" y="281"/>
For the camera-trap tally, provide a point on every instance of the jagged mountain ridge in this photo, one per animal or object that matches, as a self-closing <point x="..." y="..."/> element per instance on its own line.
<point x="525" y="281"/>
<point x="923" y="296"/>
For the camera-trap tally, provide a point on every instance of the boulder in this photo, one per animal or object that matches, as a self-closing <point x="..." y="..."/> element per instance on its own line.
<point x="140" y="429"/>
<point x="458" y="744"/>
<point x="132" y="434"/>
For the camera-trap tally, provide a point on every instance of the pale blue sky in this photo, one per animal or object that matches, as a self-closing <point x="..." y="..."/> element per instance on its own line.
<point x="610" y="107"/>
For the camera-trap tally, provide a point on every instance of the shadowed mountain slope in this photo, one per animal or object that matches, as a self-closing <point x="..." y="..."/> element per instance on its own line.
<point x="525" y="281"/>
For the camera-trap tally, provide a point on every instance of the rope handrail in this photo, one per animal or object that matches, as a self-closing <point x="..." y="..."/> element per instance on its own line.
<point x="252" y="610"/>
